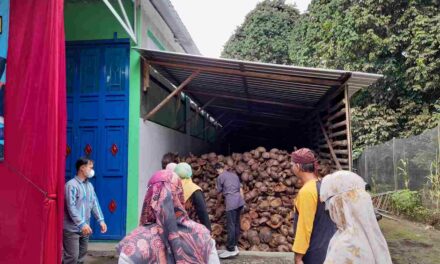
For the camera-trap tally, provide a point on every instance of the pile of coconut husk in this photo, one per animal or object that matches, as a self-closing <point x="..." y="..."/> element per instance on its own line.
<point x="269" y="187"/>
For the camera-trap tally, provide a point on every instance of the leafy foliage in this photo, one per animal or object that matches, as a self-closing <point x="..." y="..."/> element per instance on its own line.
<point x="264" y="35"/>
<point x="406" y="201"/>
<point x="399" y="39"/>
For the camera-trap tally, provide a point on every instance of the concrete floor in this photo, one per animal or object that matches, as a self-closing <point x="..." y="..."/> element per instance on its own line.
<point x="104" y="253"/>
<point x="408" y="243"/>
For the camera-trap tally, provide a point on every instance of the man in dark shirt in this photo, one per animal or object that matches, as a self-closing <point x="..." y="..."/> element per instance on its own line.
<point x="228" y="185"/>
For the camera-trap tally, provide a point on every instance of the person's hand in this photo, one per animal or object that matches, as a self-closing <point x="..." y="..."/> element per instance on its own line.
<point x="298" y="258"/>
<point x="103" y="227"/>
<point x="86" y="230"/>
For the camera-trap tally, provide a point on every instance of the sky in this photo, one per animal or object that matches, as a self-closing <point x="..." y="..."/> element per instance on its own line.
<point x="212" y="22"/>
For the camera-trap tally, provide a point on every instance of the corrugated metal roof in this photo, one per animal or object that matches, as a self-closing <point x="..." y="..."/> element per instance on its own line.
<point x="252" y="88"/>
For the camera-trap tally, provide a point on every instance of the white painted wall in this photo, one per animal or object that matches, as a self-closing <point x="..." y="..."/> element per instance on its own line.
<point x="151" y="20"/>
<point x="156" y="140"/>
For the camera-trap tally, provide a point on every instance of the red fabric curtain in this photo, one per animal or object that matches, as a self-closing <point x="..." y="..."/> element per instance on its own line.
<point x="32" y="175"/>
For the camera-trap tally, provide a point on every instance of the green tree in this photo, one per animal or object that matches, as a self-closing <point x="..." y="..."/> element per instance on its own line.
<point x="400" y="39"/>
<point x="264" y="35"/>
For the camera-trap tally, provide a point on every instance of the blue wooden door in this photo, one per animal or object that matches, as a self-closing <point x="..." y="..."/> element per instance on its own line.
<point x="97" y="103"/>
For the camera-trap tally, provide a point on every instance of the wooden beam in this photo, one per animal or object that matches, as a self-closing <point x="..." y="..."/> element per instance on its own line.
<point x="337" y="106"/>
<point x="338" y="125"/>
<point x="337" y="115"/>
<point x="341" y="143"/>
<point x="329" y="143"/>
<point x="171" y="95"/>
<point x="145" y="75"/>
<point x="279" y="77"/>
<point x="348" y="120"/>
<point x="337" y="134"/>
<point x="250" y="99"/>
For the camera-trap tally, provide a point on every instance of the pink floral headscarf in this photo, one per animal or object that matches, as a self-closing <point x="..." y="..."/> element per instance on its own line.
<point x="166" y="234"/>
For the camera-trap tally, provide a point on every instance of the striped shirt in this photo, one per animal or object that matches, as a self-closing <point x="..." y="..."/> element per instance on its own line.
<point x="80" y="202"/>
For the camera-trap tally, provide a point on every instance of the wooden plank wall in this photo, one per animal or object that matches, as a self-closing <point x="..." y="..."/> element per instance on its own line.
<point x="334" y="115"/>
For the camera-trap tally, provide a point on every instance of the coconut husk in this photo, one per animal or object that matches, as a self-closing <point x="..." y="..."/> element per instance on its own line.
<point x="253" y="237"/>
<point x="284" y="230"/>
<point x="247" y="157"/>
<point x="280" y="187"/>
<point x="290" y="190"/>
<point x="216" y="230"/>
<point x="261" y="149"/>
<point x="280" y="240"/>
<point x="264" y="247"/>
<point x="265" y="234"/>
<point x="253" y="214"/>
<point x="281" y="158"/>
<point x="264" y="205"/>
<point x="263" y="220"/>
<point x="245" y="176"/>
<point x="283" y="248"/>
<point x="255" y="248"/>
<point x="276" y="221"/>
<point x="273" y="156"/>
<point x="274" y="150"/>
<point x="212" y="193"/>
<point x="244" y="244"/>
<point x="269" y="187"/>
<point x="229" y="162"/>
<point x="245" y="223"/>
<point x="275" y="203"/>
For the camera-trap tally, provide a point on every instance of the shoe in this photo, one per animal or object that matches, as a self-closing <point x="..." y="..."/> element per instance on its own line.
<point x="228" y="254"/>
<point x="238" y="251"/>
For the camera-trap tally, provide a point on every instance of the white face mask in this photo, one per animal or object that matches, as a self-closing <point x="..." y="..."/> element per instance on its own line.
<point x="91" y="173"/>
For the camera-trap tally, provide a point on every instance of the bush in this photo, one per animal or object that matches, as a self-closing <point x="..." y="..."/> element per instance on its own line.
<point x="409" y="203"/>
<point x="406" y="202"/>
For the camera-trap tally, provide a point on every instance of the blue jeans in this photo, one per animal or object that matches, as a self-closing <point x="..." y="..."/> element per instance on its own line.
<point x="233" y="228"/>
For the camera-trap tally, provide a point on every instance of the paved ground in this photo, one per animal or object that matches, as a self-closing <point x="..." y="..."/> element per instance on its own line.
<point x="408" y="242"/>
<point x="244" y="258"/>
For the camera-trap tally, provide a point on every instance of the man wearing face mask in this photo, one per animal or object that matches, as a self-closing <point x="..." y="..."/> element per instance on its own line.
<point x="81" y="201"/>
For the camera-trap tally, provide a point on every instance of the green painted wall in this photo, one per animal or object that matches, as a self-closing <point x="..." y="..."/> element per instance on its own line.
<point x="94" y="21"/>
<point x="133" y="141"/>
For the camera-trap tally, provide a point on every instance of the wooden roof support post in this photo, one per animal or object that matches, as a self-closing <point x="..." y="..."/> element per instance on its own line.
<point x="171" y="95"/>
<point x="348" y="120"/>
<point x="330" y="146"/>
<point x="145" y="74"/>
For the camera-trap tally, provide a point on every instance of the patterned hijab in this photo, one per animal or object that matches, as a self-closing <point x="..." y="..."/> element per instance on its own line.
<point x="358" y="238"/>
<point x="166" y="234"/>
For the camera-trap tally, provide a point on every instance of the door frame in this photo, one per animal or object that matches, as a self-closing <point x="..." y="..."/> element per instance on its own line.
<point x="114" y="43"/>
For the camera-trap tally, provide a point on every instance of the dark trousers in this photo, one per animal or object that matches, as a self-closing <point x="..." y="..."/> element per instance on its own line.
<point x="233" y="226"/>
<point x="74" y="247"/>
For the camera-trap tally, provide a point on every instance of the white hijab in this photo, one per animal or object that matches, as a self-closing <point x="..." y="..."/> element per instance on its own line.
<point x="358" y="239"/>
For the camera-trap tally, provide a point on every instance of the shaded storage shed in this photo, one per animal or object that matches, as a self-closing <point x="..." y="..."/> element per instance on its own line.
<point x="259" y="104"/>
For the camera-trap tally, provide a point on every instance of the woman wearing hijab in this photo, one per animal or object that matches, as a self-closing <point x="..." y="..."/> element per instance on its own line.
<point x="358" y="238"/>
<point x="193" y="194"/>
<point x="166" y="234"/>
